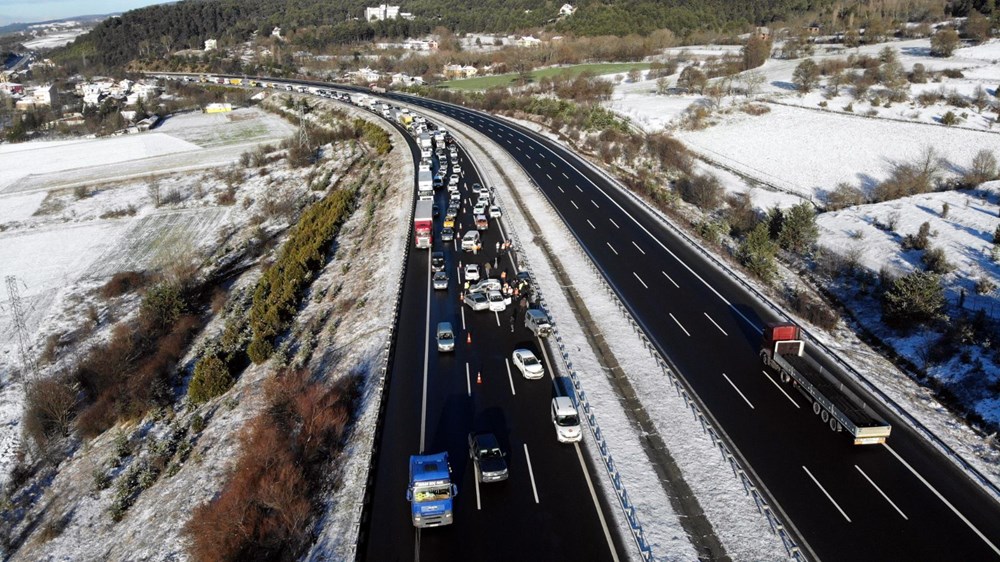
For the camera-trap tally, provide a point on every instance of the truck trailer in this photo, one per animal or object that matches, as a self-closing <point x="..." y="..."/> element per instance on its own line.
<point x="832" y="401"/>
<point x="425" y="185"/>
<point x="430" y="491"/>
<point x="423" y="223"/>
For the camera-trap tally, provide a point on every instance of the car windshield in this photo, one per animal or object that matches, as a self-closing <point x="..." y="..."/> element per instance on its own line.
<point x="490" y="453"/>
<point x="440" y="275"/>
<point x="432" y="493"/>
<point x="568" y="421"/>
<point x="445" y="336"/>
<point x="530" y="360"/>
<point x="496" y="297"/>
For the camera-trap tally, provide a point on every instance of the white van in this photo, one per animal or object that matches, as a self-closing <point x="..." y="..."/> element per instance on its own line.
<point x="470" y="241"/>
<point x="566" y="420"/>
<point x="536" y="321"/>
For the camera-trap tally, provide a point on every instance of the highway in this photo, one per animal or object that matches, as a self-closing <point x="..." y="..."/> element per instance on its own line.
<point x="547" y="509"/>
<point x="899" y="501"/>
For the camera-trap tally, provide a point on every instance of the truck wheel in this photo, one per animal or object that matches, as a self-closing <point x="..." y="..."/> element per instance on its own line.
<point x="825" y="416"/>
<point x="817" y="408"/>
<point x="834" y="424"/>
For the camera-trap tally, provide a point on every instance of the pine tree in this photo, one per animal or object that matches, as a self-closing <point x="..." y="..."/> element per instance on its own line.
<point x="913" y="299"/>
<point x="757" y="252"/>
<point x="798" y="229"/>
<point x="806" y="75"/>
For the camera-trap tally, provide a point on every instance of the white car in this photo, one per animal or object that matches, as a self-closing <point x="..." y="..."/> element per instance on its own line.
<point x="487" y="285"/>
<point x="498" y="303"/>
<point x="528" y="364"/>
<point x="454" y="195"/>
<point x="456" y="169"/>
<point x="471" y="272"/>
<point x="453" y="180"/>
<point x="453" y="188"/>
<point x="440" y="280"/>
<point x="479" y="209"/>
<point x="494" y="212"/>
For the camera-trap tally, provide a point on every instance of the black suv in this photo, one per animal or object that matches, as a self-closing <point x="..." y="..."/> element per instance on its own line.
<point x="437" y="261"/>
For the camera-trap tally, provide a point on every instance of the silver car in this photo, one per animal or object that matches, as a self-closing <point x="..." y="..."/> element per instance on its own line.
<point x="477" y="301"/>
<point x="445" y="337"/>
<point x="440" y="280"/>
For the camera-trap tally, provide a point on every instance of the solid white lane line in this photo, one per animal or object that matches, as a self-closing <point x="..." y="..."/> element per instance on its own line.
<point x="612" y="248"/>
<point x="427" y="354"/>
<point x="614" y="223"/>
<point x="574" y="204"/>
<point x="738" y="391"/>
<point x="825" y="493"/>
<point x="591" y="224"/>
<point x="497" y="314"/>
<point x="578" y="188"/>
<point x="561" y="189"/>
<point x="638" y="248"/>
<point x="879" y="490"/>
<point x="597" y="504"/>
<point x="510" y="377"/>
<point x="716" y="324"/>
<point x="775" y="383"/>
<point x="531" y="473"/>
<point x="640" y="280"/>
<point x="679" y="325"/>
<point x="946" y="502"/>
<point x="565" y="176"/>
<point x="475" y="473"/>
<point x="595" y="203"/>
<point x="468" y="380"/>
<point x="669" y="278"/>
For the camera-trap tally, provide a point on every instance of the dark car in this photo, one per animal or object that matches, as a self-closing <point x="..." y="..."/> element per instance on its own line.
<point x="435" y="210"/>
<point x="484" y="450"/>
<point x="437" y="261"/>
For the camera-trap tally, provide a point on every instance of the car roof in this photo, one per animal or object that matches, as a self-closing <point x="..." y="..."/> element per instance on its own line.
<point x="535" y="313"/>
<point x="564" y="405"/>
<point x="522" y="351"/>
<point x="442" y="326"/>
<point x="486" y="440"/>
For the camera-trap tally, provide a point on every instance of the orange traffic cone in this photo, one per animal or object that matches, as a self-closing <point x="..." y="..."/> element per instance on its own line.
<point x="479" y="377"/>
<point x="468" y="337"/>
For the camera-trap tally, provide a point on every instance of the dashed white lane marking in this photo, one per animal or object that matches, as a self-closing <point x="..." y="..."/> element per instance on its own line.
<point x="591" y="224"/>
<point x="715" y="324"/>
<point x="738" y="391"/>
<point x="879" y="490"/>
<point x="775" y="383"/>
<point x="640" y="280"/>
<point x="531" y="473"/>
<point x="612" y="248"/>
<point x="638" y="248"/>
<point x="670" y="279"/>
<point x="614" y="223"/>
<point x="679" y="325"/>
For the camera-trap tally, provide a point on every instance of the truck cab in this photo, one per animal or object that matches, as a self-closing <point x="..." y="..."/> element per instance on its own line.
<point x="430" y="491"/>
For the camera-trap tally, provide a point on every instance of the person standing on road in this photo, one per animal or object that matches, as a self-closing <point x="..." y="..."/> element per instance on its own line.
<point x="498" y="247"/>
<point x="513" y="317"/>
<point x="489" y="268"/>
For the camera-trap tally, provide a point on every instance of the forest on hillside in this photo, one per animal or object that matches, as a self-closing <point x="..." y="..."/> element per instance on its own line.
<point x="315" y="24"/>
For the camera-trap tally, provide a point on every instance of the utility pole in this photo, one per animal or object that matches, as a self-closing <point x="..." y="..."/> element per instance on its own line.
<point x="20" y="326"/>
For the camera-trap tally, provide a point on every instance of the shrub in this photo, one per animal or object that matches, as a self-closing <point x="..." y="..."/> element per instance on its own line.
<point x="49" y="408"/>
<point x="701" y="190"/>
<point x="982" y="169"/>
<point x="806" y="75"/>
<point x="123" y="282"/>
<point x="944" y="42"/>
<point x="843" y="196"/>
<point x="161" y="306"/>
<point x="935" y="261"/>
<point x="211" y="378"/>
<point x="265" y="506"/>
<point x="949" y="118"/>
<point x="920" y="240"/>
<point x="814" y="311"/>
<point x="740" y="214"/>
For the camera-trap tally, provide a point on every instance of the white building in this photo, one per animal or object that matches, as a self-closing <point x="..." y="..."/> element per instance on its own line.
<point x="529" y="41"/>
<point x="385" y="12"/>
<point x="211" y="44"/>
<point x="401" y="79"/>
<point x="567" y="10"/>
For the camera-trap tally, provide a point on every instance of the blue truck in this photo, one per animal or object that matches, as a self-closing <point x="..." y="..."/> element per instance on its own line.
<point x="430" y="492"/>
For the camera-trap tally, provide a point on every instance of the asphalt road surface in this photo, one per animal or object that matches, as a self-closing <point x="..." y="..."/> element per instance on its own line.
<point x="546" y="510"/>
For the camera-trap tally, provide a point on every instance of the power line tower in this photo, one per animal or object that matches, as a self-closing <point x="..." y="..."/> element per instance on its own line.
<point x="20" y="326"/>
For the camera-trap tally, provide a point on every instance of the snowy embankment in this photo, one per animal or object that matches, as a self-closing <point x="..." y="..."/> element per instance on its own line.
<point x="744" y="533"/>
<point x="59" y="245"/>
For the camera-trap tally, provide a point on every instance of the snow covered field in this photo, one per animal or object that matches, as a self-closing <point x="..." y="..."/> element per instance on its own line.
<point x="57" y="245"/>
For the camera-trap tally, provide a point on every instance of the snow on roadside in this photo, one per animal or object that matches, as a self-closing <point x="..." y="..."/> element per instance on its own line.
<point x="744" y="533"/>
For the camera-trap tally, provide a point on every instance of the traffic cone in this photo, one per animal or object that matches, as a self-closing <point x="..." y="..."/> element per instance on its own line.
<point x="468" y="337"/>
<point x="479" y="377"/>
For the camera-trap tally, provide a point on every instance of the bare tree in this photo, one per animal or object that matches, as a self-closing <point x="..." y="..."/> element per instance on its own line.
<point x="153" y="190"/>
<point x="752" y="80"/>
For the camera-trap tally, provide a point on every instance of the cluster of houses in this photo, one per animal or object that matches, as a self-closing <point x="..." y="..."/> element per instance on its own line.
<point x="126" y="91"/>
